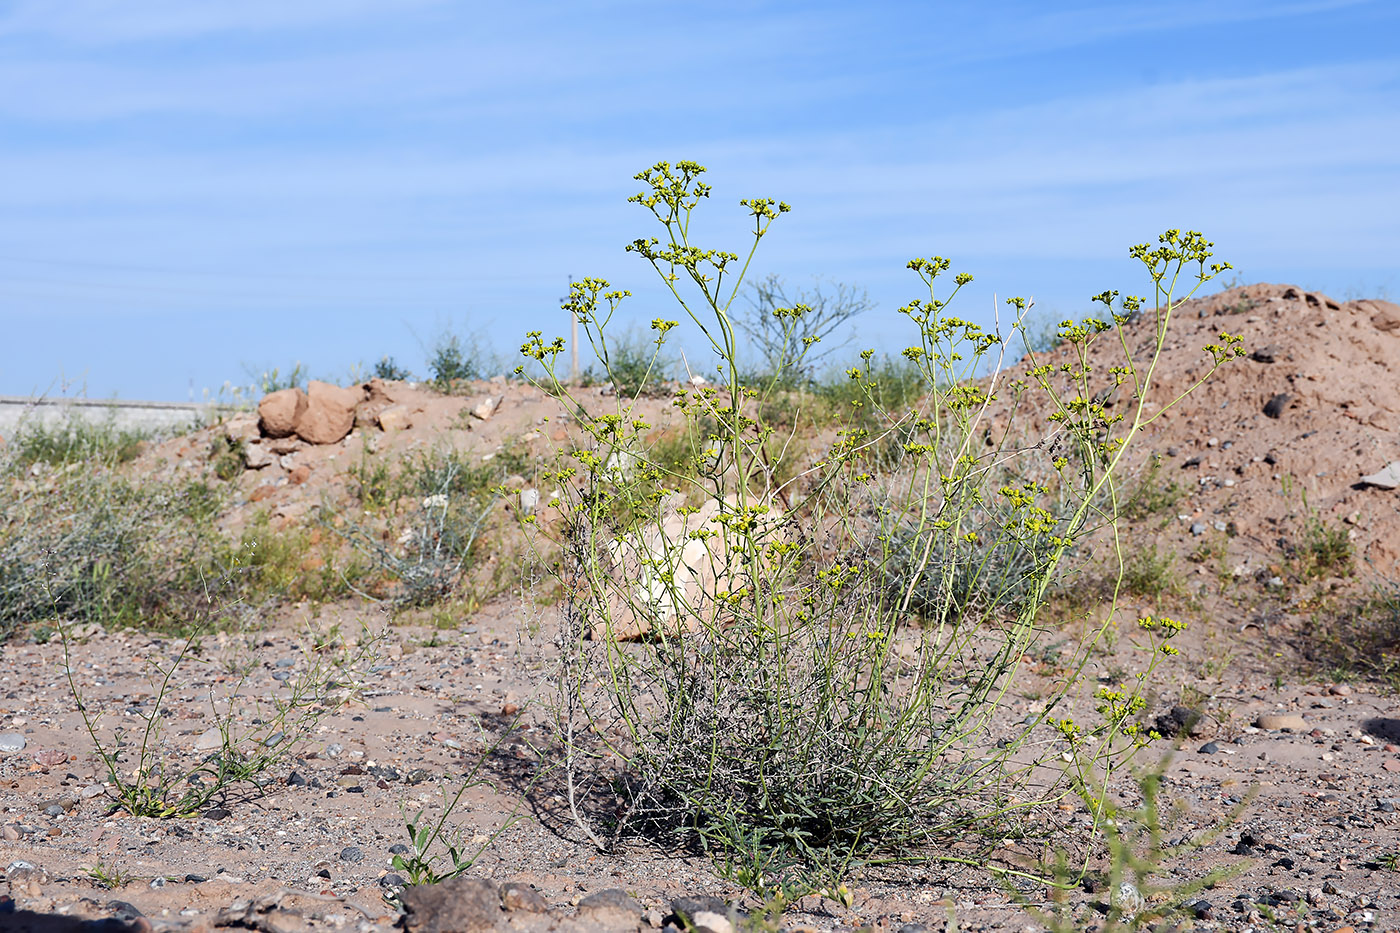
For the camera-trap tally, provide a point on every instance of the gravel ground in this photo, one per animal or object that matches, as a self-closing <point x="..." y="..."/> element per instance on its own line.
<point x="1314" y="849"/>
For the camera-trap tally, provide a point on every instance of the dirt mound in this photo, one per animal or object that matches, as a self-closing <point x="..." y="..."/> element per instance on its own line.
<point x="1288" y="430"/>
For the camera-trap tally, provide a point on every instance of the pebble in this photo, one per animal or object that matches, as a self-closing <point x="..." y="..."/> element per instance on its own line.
<point x="1198" y="528"/>
<point x="399" y="848"/>
<point x="12" y="742"/>
<point x="1291" y="722"/>
<point x="62" y="804"/>
<point x="209" y="740"/>
<point x="1210" y="748"/>
<point x="93" y="790"/>
<point x="351" y="854"/>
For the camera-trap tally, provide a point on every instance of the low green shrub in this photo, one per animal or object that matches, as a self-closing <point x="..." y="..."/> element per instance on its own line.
<point x="450" y="496"/>
<point x="74" y="439"/>
<point x="85" y="543"/>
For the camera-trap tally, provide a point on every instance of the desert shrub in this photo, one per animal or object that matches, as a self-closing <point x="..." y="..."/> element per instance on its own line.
<point x="1150" y="572"/>
<point x="88" y="545"/>
<point x="294" y="564"/>
<point x="742" y="673"/>
<point x="74" y="439"/>
<point x="792" y="346"/>
<point x="274" y="380"/>
<point x="387" y="369"/>
<point x="450" y="498"/>
<point x="1324" y="549"/>
<point x="453" y="360"/>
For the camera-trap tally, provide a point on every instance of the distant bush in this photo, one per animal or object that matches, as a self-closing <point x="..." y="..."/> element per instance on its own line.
<point x="453" y="360"/>
<point x="76" y="439"/>
<point x="792" y="335"/>
<point x="385" y="368"/>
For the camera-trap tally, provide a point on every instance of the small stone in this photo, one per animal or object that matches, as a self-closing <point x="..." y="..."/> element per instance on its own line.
<point x="12" y="742"/>
<point x="1290" y="722"/>
<point x="395" y="418"/>
<point x="399" y="848"/>
<point x="1339" y="690"/>
<point x="216" y="813"/>
<point x="54" y="810"/>
<point x="63" y="804"/>
<point x="195" y="879"/>
<point x="1198" y="528"/>
<point x="295" y="780"/>
<point x="1128" y="899"/>
<point x="158" y="882"/>
<point x="256" y="457"/>
<point x="517" y="896"/>
<point x="704" y="913"/>
<point x="351" y="854"/>
<point x="93" y="790"/>
<point x="1210" y="748"/>
<point x="11" y="832"/>
<point x="392" y="880"/>
<point x="468" y="905"/>
<point x="612" y="901"/>
<point x="1275" y="407"/>
<point x="484" y="409"/>
<point x="209" y="740"/>
<point x="1387" y="477"/>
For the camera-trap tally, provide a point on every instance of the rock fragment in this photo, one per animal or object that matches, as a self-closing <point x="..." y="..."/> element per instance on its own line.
<point x="278" y="412"/>
<point x="329" y="414"/>
<point x="1387" y="477"/>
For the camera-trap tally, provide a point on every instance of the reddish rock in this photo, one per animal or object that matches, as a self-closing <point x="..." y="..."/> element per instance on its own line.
<point x="329" y="414"/>
<point x="395" y="418"/>
<point x="300" y="474"/>
<point x="376" y="399"/>
<point x="279" y="412"/>
<point x="262" y="492"/>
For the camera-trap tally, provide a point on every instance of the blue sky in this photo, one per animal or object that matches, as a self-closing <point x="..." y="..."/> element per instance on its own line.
<point x="195" y="189"/>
